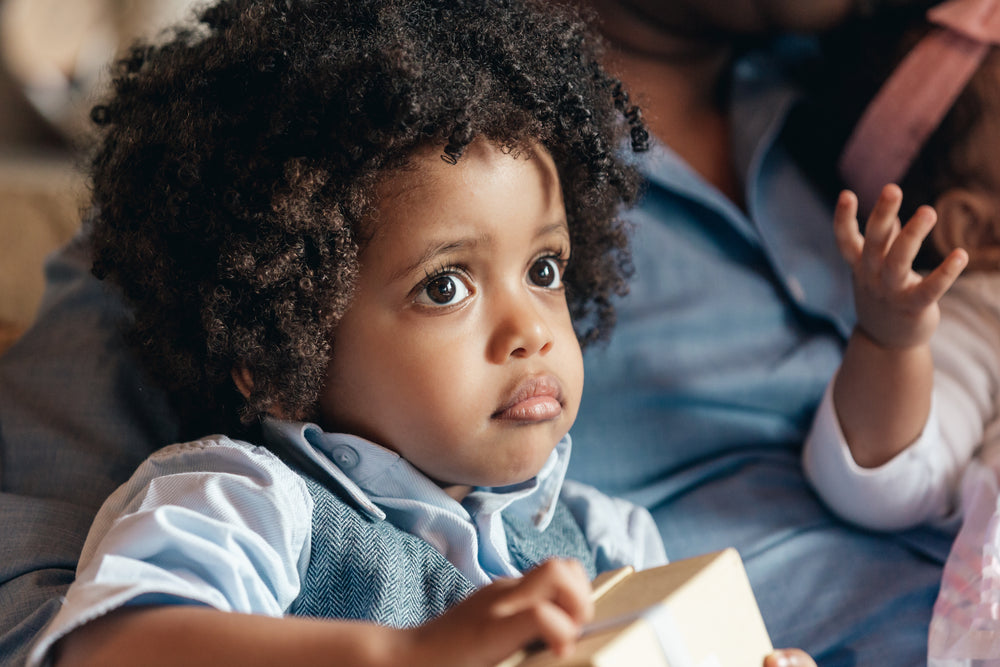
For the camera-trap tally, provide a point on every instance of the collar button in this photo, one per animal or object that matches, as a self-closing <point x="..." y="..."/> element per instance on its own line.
<point x="345" y="456"/>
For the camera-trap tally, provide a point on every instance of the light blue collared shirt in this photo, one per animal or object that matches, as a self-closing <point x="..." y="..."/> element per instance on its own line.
<point x="227" y="524"/>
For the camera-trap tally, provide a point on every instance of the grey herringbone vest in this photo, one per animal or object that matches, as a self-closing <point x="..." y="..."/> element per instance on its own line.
<point x="371" y="570"/>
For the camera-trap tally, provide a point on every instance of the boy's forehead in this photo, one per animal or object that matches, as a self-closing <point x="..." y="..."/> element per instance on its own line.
<point x="482" y="163"/>
<point x="485" y="184"/>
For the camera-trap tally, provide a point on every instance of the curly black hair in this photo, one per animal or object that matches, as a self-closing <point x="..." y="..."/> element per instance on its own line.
<point x="237" y="161"/>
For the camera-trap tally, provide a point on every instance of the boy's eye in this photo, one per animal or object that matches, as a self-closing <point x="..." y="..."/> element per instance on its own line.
<point x="546" y="272"/>
<point x="443" y="290"/>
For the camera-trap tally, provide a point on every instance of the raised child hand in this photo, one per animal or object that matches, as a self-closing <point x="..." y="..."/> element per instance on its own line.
<point x="896" y="306"/>
<point x="549" y="603"/>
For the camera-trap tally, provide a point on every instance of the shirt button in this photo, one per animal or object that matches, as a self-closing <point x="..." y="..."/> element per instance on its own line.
<point x="795" y="287"/>
<point x="346" y="457"/>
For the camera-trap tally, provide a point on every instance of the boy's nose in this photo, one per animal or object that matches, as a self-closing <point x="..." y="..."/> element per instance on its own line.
<point x="521" y="330"/>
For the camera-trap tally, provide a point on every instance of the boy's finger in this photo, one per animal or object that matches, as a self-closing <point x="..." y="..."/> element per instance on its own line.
<point x="940" y="280"/>
<point x="845" y="227"/>
<point x="882" y="228"/>
<point x="899" y="260"/>
<point x="542" y="621"/>
<point x="560" y="581"/>
<point x="552" y="624"/>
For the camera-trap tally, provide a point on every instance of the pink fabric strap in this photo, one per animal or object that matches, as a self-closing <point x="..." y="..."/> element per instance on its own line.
<point x="917" y="95"/>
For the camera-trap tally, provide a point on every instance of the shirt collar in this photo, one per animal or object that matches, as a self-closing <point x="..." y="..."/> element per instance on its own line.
<point x="298" y="437"/>
<point x="533" y="500"/>
<point x="375" y="477"/>
<point x="761" y="102"/>
<point x="761" y="99"/>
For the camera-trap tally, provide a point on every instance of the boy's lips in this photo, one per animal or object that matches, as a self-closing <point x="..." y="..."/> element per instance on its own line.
<point x="534" y="399"/>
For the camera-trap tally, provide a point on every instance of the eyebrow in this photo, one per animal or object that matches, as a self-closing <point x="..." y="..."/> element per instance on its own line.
<point x="443" y="248"/>
<point x="436" y="249"/>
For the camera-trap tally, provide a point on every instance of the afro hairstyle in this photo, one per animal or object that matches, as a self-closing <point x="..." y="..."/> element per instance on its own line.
<point x="236" y="160"/>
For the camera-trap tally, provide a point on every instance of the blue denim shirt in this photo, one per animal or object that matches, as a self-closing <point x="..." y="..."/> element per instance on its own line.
<point x="735" y="323"/>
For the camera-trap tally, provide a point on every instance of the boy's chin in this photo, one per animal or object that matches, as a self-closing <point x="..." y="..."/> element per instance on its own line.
<point x="522" y="471"/>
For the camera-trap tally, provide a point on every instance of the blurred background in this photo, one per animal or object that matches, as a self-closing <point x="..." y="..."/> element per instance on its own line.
<point x="54" y="63"/>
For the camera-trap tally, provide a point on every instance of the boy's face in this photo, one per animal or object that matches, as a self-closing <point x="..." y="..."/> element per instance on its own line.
<point x="457" y="351"/>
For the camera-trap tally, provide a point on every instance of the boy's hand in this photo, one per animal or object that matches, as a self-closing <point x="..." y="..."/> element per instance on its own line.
<point x="896" y="306"/>
<point x="549" y="603"/>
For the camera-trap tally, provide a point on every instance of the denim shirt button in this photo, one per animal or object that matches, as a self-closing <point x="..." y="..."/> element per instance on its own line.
<point x="345" y="457"/>
<point x="796" y="289"/>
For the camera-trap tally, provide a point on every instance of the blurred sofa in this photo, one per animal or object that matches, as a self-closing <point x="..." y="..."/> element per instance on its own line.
<point x="53" y="60"/>
<point x="41" y="198"/>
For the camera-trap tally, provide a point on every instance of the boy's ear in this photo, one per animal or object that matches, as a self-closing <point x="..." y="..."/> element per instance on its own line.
<point x="243" y="380"/>
<point x="968" y="219"/>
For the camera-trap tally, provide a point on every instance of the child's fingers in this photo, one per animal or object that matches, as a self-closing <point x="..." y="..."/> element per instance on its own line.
<point x="845" y="227"/>
<point x="940" y="280"/>
<point x="899" y="260"/>
<point x="561" y="581"/>
<point x="545" y="621"/>
<point x="882" y="228"/>
<point x="474" y="634"/>
<point x="550" y="602"/>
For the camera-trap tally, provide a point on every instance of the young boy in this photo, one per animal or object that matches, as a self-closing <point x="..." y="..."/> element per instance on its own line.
<point x="345" y="230"/>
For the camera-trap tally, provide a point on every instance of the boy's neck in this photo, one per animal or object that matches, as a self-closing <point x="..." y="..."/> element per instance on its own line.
<point x="458" y="492"/>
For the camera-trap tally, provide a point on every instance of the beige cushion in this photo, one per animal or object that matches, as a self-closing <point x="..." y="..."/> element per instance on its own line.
<point x="40" y="205"/>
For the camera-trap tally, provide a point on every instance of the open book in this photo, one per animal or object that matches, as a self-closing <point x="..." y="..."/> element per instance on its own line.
<point x="697" y="612"/>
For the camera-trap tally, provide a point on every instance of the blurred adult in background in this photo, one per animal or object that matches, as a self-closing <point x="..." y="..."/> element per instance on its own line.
<point x="737" y="318"/>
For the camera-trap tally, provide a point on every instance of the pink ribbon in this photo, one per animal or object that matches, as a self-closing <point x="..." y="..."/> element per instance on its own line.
<point x="917" y="95"/>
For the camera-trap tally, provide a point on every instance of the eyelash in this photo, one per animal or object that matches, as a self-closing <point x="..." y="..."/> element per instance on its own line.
<point x="440" y="271"/>
<point x="559" y="255"/>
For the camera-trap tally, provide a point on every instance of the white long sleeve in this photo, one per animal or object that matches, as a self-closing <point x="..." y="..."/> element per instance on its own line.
<point x="921" y="482"/>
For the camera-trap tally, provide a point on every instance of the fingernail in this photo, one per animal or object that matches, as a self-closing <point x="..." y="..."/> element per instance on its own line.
<point x="786" y="660"/>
